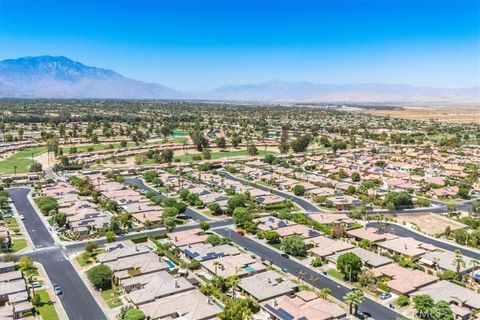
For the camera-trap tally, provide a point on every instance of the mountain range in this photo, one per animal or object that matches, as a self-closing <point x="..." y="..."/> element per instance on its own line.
<point x="61" y="77"/>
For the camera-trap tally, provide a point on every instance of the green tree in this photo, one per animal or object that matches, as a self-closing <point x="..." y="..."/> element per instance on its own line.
<point x="100" y="276"/>
<point x="134" y="314"/>
<point x="272" y="237"/>
<point x="110" y="236"/>
<point x="204" y="225"/>
<point x="221" y="142"/>
<point x="215" y="208"/>
<point x="350" y="265"/>
<point x="458" y="261"/>
<point x="423" y="305"/>
<point x="235" y="201"/>
<point x="60" y="218"/>
<point x="353" y="299"/>
<point x="442" y="311"/>
<point x="298" y="190"/>
<point x="91" y="246"/>
<point x="294" y="245"/>
<point x="252" y="149"/>
<point x="242" y="217"/>
<point x="355" y="176"/>
<point x="36" y="167"/>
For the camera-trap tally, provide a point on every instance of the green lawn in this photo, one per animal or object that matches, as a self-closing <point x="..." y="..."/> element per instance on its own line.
<point x="44" y="306"/>
<point x="97" y="147"/>
<point x="224" y="154"/>
<point x="18" y="244"/>
<point x="21" y="159"/>
<point x="111" y="298"/>
<point x="335" y="273"/>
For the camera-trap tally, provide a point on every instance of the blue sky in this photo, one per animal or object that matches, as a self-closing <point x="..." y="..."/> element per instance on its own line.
<point x="199" y="45"/>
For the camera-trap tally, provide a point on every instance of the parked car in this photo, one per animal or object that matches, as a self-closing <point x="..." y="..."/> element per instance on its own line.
<point x="35" y="285"/>
<point x="22" y="217"/>
<point x="285" y="270"/>
<point x="57" y="289"/>
<point x="363" y="315"/>
<point x="240" y="233"/>
<point x="385" y="295"/>
<point x="286" y="256"/>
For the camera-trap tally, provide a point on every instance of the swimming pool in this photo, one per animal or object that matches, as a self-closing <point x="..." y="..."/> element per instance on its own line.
<point x="169" y="262"/>
<point x="249" y="269"/>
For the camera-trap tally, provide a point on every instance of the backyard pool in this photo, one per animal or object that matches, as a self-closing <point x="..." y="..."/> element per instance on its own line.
<point x="169" y="262"/>
<point x="249" y="269"/>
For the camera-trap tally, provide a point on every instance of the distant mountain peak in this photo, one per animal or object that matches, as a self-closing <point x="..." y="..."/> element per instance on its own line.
<point x="61" y="77"/>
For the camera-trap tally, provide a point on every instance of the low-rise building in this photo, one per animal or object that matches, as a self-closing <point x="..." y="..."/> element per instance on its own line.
<point x="191" y="305"/>
<point x="266" y="285"/>
<point x="302" y="305"/>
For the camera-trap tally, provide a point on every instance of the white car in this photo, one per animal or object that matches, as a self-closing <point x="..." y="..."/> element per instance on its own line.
<point x="22" y="217"/>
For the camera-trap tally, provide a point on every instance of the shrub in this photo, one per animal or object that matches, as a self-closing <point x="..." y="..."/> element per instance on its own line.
<point x="100" y="276"/>
<point x="403" y="301"/>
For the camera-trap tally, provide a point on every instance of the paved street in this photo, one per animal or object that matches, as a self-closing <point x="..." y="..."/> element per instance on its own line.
<point x="79" y="303"/>
<point x="304" y="204"/>
<point x="40" y="236"/>
<point x="76" y="299"/>
<point x="404" y="232"/>
<point x="317" y="279"/>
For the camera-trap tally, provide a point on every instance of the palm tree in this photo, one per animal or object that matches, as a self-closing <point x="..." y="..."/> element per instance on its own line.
<point x="458" y="261"/>
<point x="436" y="261"/>
<point x="324" y="292"/>
<point x="474" y="263"/>
<point x="232" y="282"/>
<point x="353" y="299"/>
<point x="301" y="273"/>
<point x="218" y="282"/>
<point x="216" y="264"/>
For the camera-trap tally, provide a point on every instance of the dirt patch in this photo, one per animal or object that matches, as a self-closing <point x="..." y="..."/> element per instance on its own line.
<point x="430" y="223"/>
<point x="454" y="114"/>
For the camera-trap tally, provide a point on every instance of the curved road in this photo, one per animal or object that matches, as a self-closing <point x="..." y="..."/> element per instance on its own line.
<point x="76" y="299"/>
<point x="396" y="229"/>
<point x="317" y="279"/>
<point x="404" y="232"/>
<point x="304" y="204"/>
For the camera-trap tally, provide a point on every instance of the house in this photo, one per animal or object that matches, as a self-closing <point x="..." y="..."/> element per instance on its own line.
<point x="191" y="305"/>
<point x="444" y="260"/>
<point x="129" y="266"/>
<point x="14" y="297"/>
<point x="370" y="234"/>
<point x="159" y="285"/>
<point x="408" y="247"/>
<point x="266" y="285"/>
<point x="239" y="265"/>
<point x="331" y="218"/>
<point x="186" y="237"/>
<point x="272" y="223"/>
<point x="302" y="305"/>
<point x="369" y="258"/>
<point x="121" y="250"/>
<point x="298" y="229"/>
<point x="462" y="300"/>
<point x="324" y="246"/>
<point x="205" y="251"/>
<point x="402" y="280"/>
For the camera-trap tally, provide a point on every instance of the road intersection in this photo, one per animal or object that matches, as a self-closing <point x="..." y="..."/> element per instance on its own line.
<point x="79" y="303"/>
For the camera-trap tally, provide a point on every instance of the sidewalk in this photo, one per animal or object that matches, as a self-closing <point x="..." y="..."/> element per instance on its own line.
<point x="48" y="286"/>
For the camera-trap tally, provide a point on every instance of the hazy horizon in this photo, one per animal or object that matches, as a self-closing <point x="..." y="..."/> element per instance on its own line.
<point x="197" y="46"/>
